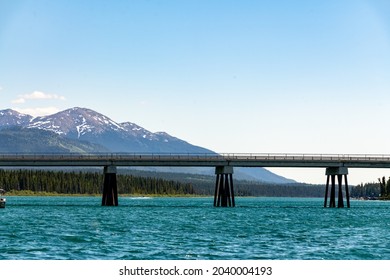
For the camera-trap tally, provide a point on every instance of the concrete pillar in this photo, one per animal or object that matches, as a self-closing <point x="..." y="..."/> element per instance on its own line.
<point x="332" y="172"/>
<point x="224" y="191"/>
<point x="110" y="190"/>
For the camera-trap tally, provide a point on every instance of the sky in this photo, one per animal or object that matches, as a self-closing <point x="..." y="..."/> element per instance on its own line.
<point x="260" y="76"/>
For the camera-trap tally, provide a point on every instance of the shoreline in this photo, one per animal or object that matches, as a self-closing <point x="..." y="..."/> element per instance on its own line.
<point x="32" y="193"/>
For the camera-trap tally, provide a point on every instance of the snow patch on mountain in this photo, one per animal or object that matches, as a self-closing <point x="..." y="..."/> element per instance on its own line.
<point x="83" y="127"/>
<point x="138" y="131"/>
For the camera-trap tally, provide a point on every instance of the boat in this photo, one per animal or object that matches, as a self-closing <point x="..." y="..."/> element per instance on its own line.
<point x="2" y="199"/>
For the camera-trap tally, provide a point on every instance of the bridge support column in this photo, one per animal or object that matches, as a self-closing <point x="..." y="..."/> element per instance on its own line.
<point x="331" y="173"/>
<point x="110" y="191"/>
<point x="224" y="191"/>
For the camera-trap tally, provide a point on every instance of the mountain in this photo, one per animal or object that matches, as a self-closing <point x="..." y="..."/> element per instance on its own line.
<point x="88" y="125"/>
<point x="83" y="130"/>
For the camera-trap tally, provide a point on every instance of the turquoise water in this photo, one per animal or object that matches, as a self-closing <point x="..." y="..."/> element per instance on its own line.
<point x="79" y="228"/>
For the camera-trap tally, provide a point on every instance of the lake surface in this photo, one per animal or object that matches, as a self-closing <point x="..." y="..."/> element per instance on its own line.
<point x="78" y="228"/>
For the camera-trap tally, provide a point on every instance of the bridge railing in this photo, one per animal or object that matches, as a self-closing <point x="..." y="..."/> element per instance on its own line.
<point x="198" y="156"/>
<point x="310" y="157"/>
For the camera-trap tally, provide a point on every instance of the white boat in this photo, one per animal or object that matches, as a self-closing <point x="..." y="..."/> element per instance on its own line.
<point x="2" y="199"/>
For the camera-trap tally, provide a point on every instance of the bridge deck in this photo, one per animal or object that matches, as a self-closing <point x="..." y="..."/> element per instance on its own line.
<point x="210" y="160"/>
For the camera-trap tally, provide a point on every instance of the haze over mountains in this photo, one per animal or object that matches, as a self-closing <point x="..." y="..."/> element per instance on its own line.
<point x="81" y="130"/>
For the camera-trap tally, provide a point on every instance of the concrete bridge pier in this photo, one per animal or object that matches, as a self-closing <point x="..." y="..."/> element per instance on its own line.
<point x="331" y="173"/>
<point x="110" y="190"/>
<point x="224" y="191"/>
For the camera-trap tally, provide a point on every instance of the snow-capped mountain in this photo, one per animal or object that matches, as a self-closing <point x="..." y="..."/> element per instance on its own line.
<point x="103" y="134"/>
<point x="75" y="123"/>
<point x="88" y="125"/>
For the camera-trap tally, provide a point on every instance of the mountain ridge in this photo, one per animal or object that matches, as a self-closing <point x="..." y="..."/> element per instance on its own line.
<point x="11" y="118"/>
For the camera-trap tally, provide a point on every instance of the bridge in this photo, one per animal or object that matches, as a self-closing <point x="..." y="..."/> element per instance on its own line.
<point x="336" y="166"/>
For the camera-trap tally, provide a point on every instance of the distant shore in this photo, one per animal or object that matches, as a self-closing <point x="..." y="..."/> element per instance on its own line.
<point x="32" y="193"/>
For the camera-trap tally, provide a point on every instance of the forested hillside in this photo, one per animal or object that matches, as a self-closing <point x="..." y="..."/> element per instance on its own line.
<point x="23" y="140"/>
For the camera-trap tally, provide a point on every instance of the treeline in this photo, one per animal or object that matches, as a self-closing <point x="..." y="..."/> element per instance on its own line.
<point x="135" y="182"/>
<point x="367" y="190"/>
<point x="87" y="183"/>
<point x="373" y="190"/>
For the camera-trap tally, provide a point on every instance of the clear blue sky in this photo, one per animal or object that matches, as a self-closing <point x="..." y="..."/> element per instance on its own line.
<point x="261" y="76"/>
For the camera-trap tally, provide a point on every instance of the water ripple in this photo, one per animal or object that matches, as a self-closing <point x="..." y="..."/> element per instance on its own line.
<point x="190" y="228"/>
